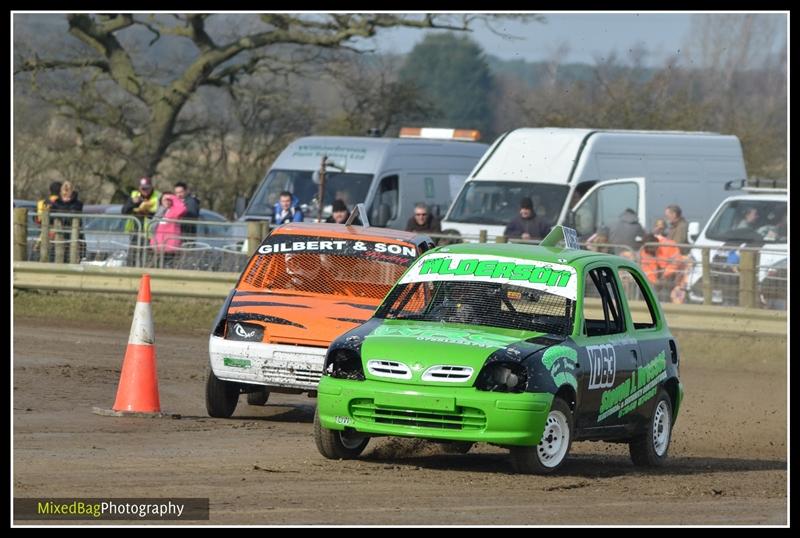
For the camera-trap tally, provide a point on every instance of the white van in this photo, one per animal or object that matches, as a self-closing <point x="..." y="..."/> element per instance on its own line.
<point x="558" y="167"/>
<point x="388" y="175"/>
<point x="757" y="219"/>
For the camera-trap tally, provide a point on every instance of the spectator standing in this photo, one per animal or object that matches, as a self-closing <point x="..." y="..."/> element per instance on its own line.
<point x="287" y="209"/>
<point x="181" y="190"/>
<point x="527" y="225"/>
<point x="627" y="231"/>
<point x="143" y="202"/>
<point x="55" y="192"/>
<point x="67" y="202"/>
<point x="660" y="228"/>
<point x="166" y="237"/>
<point x="665" y="267"/>
<point x="678" y="227"/>
<point x="423" y="221"/>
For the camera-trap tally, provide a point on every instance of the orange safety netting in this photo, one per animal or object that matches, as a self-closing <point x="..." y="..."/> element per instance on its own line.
<point x="332" y="274"/>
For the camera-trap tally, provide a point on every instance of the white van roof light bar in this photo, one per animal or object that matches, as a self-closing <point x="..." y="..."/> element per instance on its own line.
<point x="467" y="135"/>
<point x="741" y="184"/>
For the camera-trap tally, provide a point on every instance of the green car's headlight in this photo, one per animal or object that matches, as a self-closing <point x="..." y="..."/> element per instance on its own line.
<point x="344" y="364"/>
<point x="502" y="376"/>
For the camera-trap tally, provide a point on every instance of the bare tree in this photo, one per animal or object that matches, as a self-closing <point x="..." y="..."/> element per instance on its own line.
<point x="127" y="111"/>
<point x="372" y="97"/>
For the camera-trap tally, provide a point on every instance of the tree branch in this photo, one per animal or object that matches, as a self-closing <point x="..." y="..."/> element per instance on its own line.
<point x="99" y="37"/>
<point x="35" y="64"/>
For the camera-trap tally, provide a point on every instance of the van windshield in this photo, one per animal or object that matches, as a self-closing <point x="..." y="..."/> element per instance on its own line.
<point x="759" y="221"/>
<point x="497" y="202"/>
<point x="350" y="188"/>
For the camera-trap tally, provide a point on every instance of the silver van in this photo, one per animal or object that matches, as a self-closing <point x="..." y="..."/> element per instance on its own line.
<point x="388" y="175"/>
<point x="587" y="177"/>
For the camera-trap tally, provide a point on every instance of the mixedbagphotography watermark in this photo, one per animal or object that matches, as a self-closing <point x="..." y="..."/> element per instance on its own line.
<point x="100" y="509"/>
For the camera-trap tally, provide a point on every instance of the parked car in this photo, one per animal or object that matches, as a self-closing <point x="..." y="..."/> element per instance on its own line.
<point x="106" y="239"/>
<point x="505" y="344"/>
<point x="305" y="285"/>
<point x="754" y="219"/>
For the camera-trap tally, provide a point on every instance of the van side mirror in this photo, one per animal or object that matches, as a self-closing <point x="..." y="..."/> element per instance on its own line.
<point x="239" y="207"/>
<point x="694" y="231"/>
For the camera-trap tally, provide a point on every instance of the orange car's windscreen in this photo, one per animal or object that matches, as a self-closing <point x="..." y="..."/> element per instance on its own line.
<point x="328" y="265"/>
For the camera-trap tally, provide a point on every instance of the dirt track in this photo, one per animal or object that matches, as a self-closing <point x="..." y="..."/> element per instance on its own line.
<point x="727" y="466"/>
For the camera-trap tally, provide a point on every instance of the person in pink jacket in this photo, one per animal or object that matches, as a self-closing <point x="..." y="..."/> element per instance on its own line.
<point x="167" y="234"/>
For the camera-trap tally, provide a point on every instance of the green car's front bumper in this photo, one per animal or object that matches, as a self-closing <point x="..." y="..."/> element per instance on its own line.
<point x="433" y="412"/>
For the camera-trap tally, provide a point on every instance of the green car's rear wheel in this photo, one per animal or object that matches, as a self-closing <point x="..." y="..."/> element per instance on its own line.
<point x="650" y="449"/>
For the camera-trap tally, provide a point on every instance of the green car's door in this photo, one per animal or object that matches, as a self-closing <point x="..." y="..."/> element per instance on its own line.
<point x="655" y="342"/>
<point x="607" y="357"/>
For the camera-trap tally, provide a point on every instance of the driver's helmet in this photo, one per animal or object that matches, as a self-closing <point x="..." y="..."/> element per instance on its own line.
<point x="302" y="269"/>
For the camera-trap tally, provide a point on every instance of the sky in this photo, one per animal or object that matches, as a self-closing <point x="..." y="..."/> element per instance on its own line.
<point x="587" y="36"/>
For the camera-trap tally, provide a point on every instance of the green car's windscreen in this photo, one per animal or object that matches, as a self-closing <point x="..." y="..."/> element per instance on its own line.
<point x="494" y="291"/>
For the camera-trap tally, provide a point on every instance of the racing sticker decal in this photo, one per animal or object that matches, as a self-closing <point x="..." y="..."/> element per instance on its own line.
<point x="448" y="336"/>
<point x="239" y="330"/>
<point x="560" y="361"/>
<point x="285" y="244"/>
<point x="603" y="366"/>
<point x="550" y="277"/>
<point x="236" y="363"/>
<point x="634" y="391"/>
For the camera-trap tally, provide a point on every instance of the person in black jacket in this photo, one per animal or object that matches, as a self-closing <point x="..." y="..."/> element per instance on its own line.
<point x="527" y="225"/>
<point x="627" y="231"/>
<point x="67" y="202"/>
<point x="423" y="221"/>
<point x="192" y="207"/>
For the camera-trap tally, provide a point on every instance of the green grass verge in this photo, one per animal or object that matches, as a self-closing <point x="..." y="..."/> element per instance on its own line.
<point x="175" y="314"/>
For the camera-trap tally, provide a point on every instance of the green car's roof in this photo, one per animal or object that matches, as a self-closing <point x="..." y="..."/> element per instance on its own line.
<point x="572" y="257"/>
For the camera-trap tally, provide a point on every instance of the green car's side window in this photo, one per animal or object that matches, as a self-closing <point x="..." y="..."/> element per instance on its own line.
<point x="640" y="304"/>
<point x="606" y="317"/>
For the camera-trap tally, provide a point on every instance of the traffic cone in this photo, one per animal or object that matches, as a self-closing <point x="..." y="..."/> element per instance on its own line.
<point x="137" y="393"/>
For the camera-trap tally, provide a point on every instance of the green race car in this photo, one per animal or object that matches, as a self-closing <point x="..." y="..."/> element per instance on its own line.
<point x="526" y="347"/>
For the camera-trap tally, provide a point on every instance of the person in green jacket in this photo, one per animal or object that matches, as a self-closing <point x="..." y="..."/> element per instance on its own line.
<point x="143" y="202"/>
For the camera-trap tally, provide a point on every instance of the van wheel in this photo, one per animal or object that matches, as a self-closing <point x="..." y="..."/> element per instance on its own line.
<point x="221" y="396"/>
<point x="552" y="450"/>
<point x="258" y="397"/>
<point x="337" y="445"/>
<point x="650" y="449"/>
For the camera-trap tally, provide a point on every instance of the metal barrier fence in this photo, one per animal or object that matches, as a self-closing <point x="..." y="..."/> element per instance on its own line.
<point x="681" y="274"/>
<point x="723" y="275"/>
<point x="115" y="240"/>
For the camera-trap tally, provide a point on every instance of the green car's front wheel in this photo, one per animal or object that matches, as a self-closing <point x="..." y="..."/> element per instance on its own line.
<point x="337" y="445"/>
<point x="552" y="450"/>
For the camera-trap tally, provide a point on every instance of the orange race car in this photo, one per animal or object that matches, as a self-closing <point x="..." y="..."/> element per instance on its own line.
<point x="305" y="285"/>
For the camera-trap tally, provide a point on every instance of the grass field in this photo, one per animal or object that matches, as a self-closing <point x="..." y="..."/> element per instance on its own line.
<point x="115" y="310"/>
